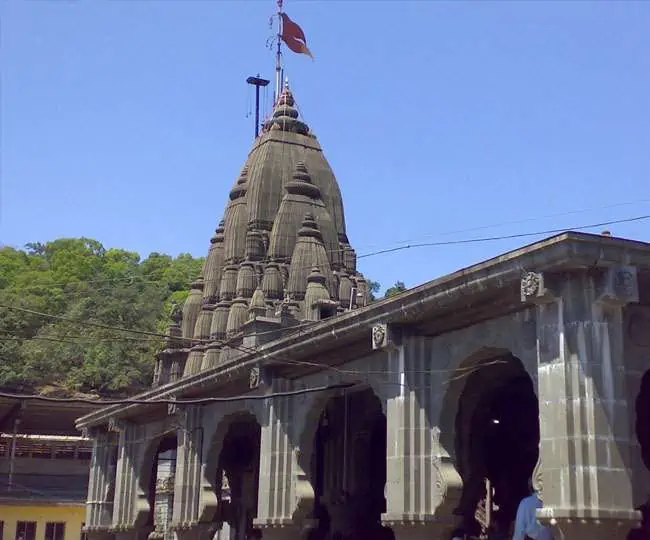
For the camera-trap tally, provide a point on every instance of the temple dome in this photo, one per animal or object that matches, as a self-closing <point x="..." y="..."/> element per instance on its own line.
<point x="283" y="220"/>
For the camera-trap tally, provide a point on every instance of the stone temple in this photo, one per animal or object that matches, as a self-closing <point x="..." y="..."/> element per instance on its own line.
<point x="286" y="405"/>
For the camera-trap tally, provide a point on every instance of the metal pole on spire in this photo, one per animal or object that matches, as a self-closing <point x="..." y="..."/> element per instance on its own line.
<point x="278" y="58"/>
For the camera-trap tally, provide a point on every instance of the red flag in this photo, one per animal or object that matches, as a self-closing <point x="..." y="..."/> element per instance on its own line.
<point x="294" y="37"/>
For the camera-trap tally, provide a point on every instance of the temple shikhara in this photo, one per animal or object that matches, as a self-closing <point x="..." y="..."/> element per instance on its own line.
<point x="287" y="405"/>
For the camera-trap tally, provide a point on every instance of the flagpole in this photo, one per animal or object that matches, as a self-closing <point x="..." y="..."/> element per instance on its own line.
<point x="278" y="58"/>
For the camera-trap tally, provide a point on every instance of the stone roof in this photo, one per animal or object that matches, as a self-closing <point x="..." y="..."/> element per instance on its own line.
<point x="284" y="218"/>
<point x="488" y="289"/>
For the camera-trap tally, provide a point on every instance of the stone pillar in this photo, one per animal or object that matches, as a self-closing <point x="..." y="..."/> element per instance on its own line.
<point x="285" y="495"/>
<point x="585" y="436"/>
<point x="422" y="485"/>
<point x="127" y="489"/>
<point x="101" y="482"/>
<point x="187" y="481"/>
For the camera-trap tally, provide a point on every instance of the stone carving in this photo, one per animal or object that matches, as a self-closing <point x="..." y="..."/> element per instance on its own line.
<point x="172" y="409"/>
<point x="116" y="425"/>
<point x="536" y="480"/>
<point x="531" y="284"/>
<point x="254" y="378"/>
<point x="379" y="336"/>
<point x="624" y="282"/>
<point x="534" y="287"/>
<point x="619" y="286"/>
<point x="447" y="486"/>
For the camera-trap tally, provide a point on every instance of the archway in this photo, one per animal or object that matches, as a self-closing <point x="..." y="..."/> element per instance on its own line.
<point x="160" y="493"/>
<point x="237" y="478"/>
<point x="496" y="440"/>
<point x="348" y="467"/>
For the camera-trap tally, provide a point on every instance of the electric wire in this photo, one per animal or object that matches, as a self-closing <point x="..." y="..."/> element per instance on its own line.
<point x="168" y="401"/>
<point x="138" y="279"/>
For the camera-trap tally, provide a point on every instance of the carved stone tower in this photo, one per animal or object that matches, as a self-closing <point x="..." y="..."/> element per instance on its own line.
<point x="281" y="246"/>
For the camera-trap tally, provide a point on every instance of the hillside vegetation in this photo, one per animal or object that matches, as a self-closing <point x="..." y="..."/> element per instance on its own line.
<point x="85" y="284"/>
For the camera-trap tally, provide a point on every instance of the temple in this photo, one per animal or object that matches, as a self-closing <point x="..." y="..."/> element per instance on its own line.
<point x="287" y="405"/>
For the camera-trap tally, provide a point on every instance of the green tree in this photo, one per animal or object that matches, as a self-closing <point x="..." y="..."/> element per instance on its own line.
<point x="396" y="289"/>
<point x="77" y="279"/>
<point x="373" y="289"/>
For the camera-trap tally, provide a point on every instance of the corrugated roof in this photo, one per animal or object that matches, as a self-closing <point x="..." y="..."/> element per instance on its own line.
<point x="44" y="488"/>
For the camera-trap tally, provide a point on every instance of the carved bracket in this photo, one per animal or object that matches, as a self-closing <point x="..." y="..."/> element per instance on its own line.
<point x="384" y="336"/>
<point x="619" y="286"/>
<point x="535" y="288"/>
<point x="116" y="425"/>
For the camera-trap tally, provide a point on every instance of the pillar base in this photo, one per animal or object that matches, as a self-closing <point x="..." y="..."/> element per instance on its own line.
<point x="595" y="525"/>
<point x="421" y="529"/>
<point x="285" y="529"/>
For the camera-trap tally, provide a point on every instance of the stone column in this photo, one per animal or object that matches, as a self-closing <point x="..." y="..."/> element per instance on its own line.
<point x="188" y="467"/>
<point x="285" y="495"/>
<point x="101" y="483"/>
<point x="422" y="486"/>
<point x="585" y="435"/>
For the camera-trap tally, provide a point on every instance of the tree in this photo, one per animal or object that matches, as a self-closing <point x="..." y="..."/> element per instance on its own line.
<point x="396" y="289"/>
<point x="77" y="279"/>
<point x="373" y="289"/>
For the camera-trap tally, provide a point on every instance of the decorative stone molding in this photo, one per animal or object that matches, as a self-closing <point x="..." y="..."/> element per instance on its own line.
<point x="535" y="288"/>
<point x="116" y="425"/>
<point x="384" y="337"/>
<point x="618" y="287"/>
<point x="254" y="378"/>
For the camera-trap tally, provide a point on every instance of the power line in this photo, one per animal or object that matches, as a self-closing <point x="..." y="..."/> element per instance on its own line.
<point x="140" y="280"/>
<point x="503" y="237"/>
<point x="527" y="220"/>
<point x="379" y="252"/>
<point x="163" y="401"/>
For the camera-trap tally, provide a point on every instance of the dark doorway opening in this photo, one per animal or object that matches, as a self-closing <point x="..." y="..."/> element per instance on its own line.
<point x="348" y="468"/>
<point x="161" y="488"/>
<point x="643" y="418"/>
<point x="498" y="435"/>
<point x="238" y="477"/>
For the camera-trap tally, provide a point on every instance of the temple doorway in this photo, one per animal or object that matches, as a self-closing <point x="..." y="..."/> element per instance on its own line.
<point x="238" y="479"/>
<point x="348" y="468"/>
<point x="497" y="444"/>
<point x="161" y="489"/>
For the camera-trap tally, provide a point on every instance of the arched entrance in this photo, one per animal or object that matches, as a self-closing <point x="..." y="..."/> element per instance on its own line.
<point x="237" y="478"/>
<point x="497" y="440"/>
<point x="348" y="468"/>
<point x="161" y="489"/>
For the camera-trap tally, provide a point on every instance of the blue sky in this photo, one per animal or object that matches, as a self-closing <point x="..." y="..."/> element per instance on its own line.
<point x="125" y="121"/>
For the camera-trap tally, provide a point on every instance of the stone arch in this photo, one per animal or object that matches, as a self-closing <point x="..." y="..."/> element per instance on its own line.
<point x="319" y="477"/>
<point x="479" y="385"/>
<point x="144" y="512"/>
<point x="213" y="447"/>
<point x="316" y="404"/>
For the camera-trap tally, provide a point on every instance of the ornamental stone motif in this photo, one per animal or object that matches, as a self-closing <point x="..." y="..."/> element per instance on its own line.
<point x="254" y="378"/>
<point x="379" y="334"/>
<point x="530" y="285"/>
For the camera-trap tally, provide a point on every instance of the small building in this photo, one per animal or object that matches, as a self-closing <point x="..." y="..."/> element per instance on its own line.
<point x="44" y="466"/>
<point x="289" y="406"/>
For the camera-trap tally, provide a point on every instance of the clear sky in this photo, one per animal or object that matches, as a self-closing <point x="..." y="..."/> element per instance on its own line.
<point x="125" y="121"/>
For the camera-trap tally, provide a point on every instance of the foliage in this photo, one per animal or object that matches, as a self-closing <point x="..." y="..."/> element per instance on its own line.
<point x="81" y="282"/>
<point x="373" y="289"/>
<point x="396" y="289"/>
